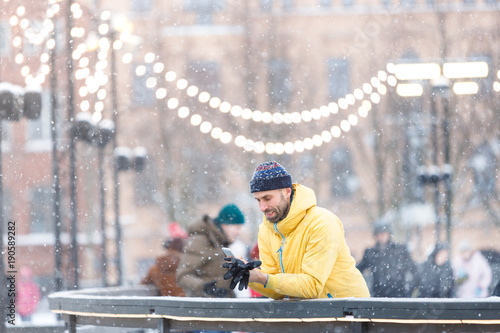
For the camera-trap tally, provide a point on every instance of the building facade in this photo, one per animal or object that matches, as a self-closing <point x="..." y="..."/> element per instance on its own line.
<point x="213" y="88"/>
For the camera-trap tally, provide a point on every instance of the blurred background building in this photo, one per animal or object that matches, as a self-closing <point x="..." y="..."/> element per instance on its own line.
<point x="212" y="88"/>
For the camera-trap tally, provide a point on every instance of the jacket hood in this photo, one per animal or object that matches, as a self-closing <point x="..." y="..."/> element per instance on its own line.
<point x="207" y="227"/>
<point x="303" y="199"/>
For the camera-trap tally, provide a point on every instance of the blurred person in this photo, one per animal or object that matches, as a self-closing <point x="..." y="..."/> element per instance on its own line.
<point x="472" y="272"/>
<point x="302" y="246"/>
<point x="200" y="272"/>
<point x="437" y="274"/>
<point x="392" y="268"/>
<point x="162" y="273"/>
<point x="27" y="294"/>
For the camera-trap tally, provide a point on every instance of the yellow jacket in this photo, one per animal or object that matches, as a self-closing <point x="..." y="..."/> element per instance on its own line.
<point x="306" y="255"/>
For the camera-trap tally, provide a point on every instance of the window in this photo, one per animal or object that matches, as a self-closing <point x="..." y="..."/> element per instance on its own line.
<point x="146" y="184"/>
<point x="31" y="46"/>
<point x="39" y="129"/>
<point x="209" y="188"/>
<point x="338" y="78"/>
<point x="343" y="181"/>
<point x="288" y="4"/>
<point x="485" y="84"/>
<point x="41" y="209"/>
<point x="408" y="3"/>
<point x="142" y="95"/>
<point x="4" y="38"/>
<point x="141" y="5"/>
<point x="204" y="9"/>
<point x="484" y="165"/>
<point x="266" y="5"/>
<point x="6" y="134"/>
<point x="348" y="3"/>
<point x="7" y="207"/>
<point x="280" y="84"/>
<point x="204" y="75"/>
<point x="325" y="3"/>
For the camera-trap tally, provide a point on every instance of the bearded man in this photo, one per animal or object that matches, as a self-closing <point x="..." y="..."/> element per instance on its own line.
<point x="302" y="246"/>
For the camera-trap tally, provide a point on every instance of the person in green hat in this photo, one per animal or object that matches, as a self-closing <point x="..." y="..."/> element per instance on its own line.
<point x="200" y="271"/>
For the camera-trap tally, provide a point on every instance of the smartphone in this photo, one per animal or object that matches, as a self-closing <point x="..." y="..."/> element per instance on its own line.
<point x="227" y="252"/>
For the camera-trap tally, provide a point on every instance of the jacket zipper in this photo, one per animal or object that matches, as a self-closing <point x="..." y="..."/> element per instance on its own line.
<point x="280" y="250"/>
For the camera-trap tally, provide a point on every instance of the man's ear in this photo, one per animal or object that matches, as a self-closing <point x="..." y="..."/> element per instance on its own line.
<point x="288" y="192"/>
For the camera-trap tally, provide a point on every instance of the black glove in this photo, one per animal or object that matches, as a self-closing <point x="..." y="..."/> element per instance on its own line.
<point x="210" y="288"/>
<point x="239" y="272"/>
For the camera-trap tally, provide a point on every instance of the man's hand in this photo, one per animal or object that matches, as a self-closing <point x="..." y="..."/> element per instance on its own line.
<point x="239" y="271"/>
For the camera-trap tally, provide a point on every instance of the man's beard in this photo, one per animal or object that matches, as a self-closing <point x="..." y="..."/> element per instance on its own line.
<point x="281" y="212"/>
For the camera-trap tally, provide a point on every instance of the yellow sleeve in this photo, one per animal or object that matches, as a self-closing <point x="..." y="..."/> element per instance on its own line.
<point x="269" y="266"/>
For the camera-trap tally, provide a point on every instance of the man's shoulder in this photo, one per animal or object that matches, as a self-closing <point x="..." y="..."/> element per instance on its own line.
<point x="322" y="214"/>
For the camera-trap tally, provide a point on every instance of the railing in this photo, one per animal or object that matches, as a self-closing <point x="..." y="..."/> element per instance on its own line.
<point x="139" y="307"/>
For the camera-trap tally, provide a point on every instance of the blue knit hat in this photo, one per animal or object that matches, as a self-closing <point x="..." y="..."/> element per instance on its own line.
<point x="270" y="176"/>
<point x="230" y="214"/>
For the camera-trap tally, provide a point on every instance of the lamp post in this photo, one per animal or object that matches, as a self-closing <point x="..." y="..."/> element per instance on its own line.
<point x="58" y="278"/>
<point x="99" y="135"/>
<point x="440" y="89"/>
<point x="71" y="148"/>
<point x="14" y="102"/>
<point x="105" y="133"/>
<point x="114" y="105"/>
<point x="440" y="76"/>
<point x="125" y="159"/>
<point x="109" y="27"/>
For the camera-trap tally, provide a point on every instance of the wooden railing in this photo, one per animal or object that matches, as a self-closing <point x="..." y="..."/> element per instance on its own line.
<point x="139" y="307"/>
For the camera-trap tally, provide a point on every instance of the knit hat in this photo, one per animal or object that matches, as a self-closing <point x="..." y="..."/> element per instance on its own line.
<point x="381" y="226"/>
<point x="230" y="214"/>
<point x="270" y="176"/>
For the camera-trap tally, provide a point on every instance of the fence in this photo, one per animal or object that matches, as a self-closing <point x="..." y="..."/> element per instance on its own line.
<point x="138" y="307"/>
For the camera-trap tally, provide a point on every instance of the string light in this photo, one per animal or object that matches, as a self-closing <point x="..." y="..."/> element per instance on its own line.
<point x="369" y="91"/>
<point x="277" y="148"/>
<point x="36" y="38"/>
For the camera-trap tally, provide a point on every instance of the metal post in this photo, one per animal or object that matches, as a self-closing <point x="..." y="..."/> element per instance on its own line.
<point x="114" y="98"/>
<point x="103" y="216"/>
<point x="72" y="146"/>
<point x="58" y="280"/>
<point x="3" y="281"/>
<point x="447" y="161"/>
<point x="164" y="325"/>
<point x="434" y="143"/>
<point x="71" y="324"/>
<point x="379" y="163"/>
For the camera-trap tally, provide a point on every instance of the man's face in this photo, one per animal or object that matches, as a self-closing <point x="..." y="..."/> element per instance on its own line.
<point x="441" y="257"/>
<point x="383" y="237"/>
<point x="274" y="204"/>
<point x="232" y="231"/>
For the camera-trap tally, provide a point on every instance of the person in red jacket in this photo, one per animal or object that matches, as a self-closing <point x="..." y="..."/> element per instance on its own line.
<point x="27" y="295"/>
<point x="162" y="273"/>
